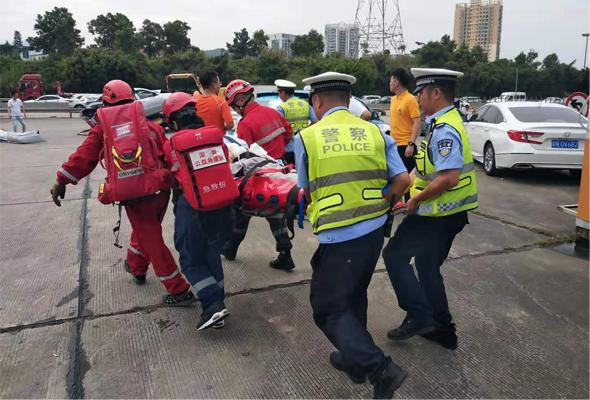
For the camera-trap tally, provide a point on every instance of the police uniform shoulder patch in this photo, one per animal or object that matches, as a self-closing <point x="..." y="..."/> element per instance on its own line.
<point x="444" y="147"/>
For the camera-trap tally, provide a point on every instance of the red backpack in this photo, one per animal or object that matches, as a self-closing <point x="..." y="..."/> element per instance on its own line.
<point x="201" y="164"/>
<point x="130" y="154"/>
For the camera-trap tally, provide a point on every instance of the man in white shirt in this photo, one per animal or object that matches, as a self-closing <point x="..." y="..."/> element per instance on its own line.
<point x="16" y="111"/>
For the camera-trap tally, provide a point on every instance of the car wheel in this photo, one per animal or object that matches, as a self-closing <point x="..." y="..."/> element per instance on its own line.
<point x="489" y="160"/>
<point x="576" y="173"/>
<point x="78" y="106"/>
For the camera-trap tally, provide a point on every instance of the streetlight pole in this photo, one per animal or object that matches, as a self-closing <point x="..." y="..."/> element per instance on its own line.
<point x="586" y="48"/>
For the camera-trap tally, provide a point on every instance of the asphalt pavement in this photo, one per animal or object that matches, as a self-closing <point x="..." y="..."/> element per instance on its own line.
<point x="73" y="324"/>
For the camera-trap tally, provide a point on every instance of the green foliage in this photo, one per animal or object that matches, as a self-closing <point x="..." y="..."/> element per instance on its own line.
<point x="308" y="45"/>
<point x="151" y="38"/>
<point x="258" y="43"/>
<point x="176" y="36"/>
<point x="272" y="65"/>
<point x="56" y="33"/>
<point x="240" y="47"/>
<point x="114" y="31"/>
<point x="17" y="41"/>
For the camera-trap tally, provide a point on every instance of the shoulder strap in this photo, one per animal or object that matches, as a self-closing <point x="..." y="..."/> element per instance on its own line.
<point x="251" y="172"/>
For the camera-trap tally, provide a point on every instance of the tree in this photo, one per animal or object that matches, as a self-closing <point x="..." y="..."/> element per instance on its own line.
<point x="272" y="65"/>
<point x="7" y="50"/>
<point x="114" y="31"/>
<point x="309" y="45"/>
<point x="151" y="38"/>
<point x="258" y="43"/>
<point x="240" y="47"/>
<point x="56" y="33"/>
<point x="17" y="43"/>
<point x="176" y="36"/>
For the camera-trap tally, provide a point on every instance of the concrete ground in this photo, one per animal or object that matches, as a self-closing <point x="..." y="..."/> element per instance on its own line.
<point x="72" y="323"/>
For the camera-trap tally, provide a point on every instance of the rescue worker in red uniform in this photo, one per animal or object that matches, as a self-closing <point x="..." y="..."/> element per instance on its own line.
<point x="147" y="244"/>
<point x="200" y="230"/>
<point x="266" y="127"/>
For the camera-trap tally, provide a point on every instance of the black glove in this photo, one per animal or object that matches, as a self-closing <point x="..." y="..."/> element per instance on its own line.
<point x="58" y="190"/>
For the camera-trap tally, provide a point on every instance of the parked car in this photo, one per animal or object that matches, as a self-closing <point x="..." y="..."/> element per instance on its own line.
<point x="385" y="100"/>
<point x="54" y="98"/>
<point x="522" y="135"/>
<point x="153" y="103"/>
<point x="371" y="99"/>
<point x="556" y="100"/>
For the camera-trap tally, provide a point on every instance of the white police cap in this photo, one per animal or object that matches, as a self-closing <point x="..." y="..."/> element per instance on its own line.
<point x="431" y="76"/>
<point x="283" y="83"/>
<point x="330" y="81"/>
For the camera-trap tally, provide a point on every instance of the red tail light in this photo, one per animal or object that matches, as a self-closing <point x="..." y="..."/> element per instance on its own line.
<point x="525" y="137"/>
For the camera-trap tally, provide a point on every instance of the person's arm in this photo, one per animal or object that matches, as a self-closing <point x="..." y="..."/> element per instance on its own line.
<point x="81" y="163"/>
<point x="288" y="135"/>
<point x="444" y="181"/>
<point x="8" y="108"/>
<point x="366" y="115"/>
<point x="23" y="108"/>
<point x="245" y="133"/>
<point x="301" y="166"/>
<point x="413" y="109"/>
<point x="228" y="120"/>
<point x="397" y="176"/>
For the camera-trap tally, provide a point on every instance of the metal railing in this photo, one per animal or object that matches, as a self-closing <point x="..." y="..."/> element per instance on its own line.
<point x="43" y="107"/>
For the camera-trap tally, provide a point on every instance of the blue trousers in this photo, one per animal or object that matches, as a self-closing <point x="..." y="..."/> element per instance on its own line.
<point x="199" y="238"/>
<point x="338" y="295"/>
<point x="428" y="240"/>
<point x="18" y="119"/>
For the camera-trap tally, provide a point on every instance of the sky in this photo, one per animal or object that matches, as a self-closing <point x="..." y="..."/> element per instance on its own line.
<point x="547" y="26"/>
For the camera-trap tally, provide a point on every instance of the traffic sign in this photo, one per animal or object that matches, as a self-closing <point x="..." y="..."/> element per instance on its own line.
<point x="578" y="101"/>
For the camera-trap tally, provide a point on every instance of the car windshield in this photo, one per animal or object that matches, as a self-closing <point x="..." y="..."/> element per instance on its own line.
<point x="271" y="101"/>
<point x="545" y="114"/>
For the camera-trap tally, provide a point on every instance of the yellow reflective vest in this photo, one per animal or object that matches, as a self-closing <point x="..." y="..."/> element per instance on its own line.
<point x="461" y="197"/>
<point x="347" y="168"/>
<point x="296" y="111"/>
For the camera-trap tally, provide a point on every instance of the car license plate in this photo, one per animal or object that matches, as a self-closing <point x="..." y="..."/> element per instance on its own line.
<point x="564" y="144"/>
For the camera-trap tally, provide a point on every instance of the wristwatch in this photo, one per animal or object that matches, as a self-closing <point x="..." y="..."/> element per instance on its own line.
<point x="412" y="144"/>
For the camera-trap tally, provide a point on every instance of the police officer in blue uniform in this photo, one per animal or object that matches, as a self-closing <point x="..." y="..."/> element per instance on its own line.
<point x="345" y="161"/>
<point x="443" y="190"/>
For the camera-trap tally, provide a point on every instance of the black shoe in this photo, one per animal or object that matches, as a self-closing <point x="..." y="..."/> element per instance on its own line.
<point x="338" y="363"/>
<point x="229" y="252"/>
<point x="408" y="329"/>
<point x="447" y="338"/>
<point x="179" y="300"/>
<point x="284" y="262"/>
<point x="138" y="279"/>
<point x="213" y="318"/>
<point x="391" y="379"/>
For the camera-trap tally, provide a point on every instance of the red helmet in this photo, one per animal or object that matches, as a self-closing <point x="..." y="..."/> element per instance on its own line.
<point x="116" y="91"/>
<point x="175" y="102"/>
<point x="235" y="87"/>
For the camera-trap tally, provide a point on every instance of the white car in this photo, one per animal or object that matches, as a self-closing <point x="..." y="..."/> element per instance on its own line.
<point x="49" y="98"/>
<point x="522" y="135"/>
<point x="371" y="99"/>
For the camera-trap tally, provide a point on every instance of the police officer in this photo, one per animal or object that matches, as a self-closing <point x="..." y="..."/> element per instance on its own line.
<point x="296" y="111"/>
<point x="442" y="192"/>
<point x="343" y="164"/>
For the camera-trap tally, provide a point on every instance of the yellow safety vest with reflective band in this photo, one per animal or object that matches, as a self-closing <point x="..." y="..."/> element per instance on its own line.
<point x="347" y="168"/>
<point x="296" y="112"/>
<point x="460" y="198"/>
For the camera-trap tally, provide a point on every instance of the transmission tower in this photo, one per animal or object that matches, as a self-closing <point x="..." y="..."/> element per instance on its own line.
<point x="380" y="26"/>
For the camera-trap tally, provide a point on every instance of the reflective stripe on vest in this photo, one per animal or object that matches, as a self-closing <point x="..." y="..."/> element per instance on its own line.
<point x="347" y="168"/>
<point x="296" y="111"/>
<point x="462" y="197"/>
<point x="271" y="136"/>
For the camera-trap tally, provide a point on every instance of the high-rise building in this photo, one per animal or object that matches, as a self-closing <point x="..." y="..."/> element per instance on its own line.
<point x="281" y="41"/>
<point x="479" y="23"/>
<point x="342" y="38"/>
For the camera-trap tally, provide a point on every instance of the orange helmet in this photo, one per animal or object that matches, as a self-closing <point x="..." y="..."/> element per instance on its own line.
<point x="175" y="102"/>
<point x="116" y="91"/>
<point x="235" y="87"/>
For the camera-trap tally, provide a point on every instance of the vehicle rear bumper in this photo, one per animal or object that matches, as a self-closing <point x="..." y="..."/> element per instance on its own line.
<point x="549" y="160"/>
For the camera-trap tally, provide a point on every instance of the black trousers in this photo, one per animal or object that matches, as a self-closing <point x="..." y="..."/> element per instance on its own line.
<point x="428" y="240"/>
<point x="338" y="295"/>
<point x="278" y="228"/>
<point x="409" y="163"/>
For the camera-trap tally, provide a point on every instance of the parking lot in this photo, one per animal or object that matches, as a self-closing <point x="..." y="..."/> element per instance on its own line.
<point x="73" y="324"/>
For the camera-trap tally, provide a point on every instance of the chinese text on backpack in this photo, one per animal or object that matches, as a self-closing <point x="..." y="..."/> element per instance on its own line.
<point x="202" y="159"/>
<point x="130" y="155"/>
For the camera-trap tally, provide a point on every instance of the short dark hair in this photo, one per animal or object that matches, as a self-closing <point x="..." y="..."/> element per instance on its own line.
<point x="207" y="78"/>
<point x="402" y="76"/>
<point x="287" y="90"/>
<point x="342" y="96"/>
<point x="448" y="91"/>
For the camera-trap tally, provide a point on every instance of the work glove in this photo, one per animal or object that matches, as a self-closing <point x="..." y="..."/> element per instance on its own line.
<point x="58" y="190"/>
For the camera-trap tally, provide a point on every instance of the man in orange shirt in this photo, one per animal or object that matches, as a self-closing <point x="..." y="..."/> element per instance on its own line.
<point x="212" y="108"/>
<point x="405" y="117"/>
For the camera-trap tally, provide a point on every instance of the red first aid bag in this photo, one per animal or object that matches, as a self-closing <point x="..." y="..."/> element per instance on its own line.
<point x="201" y="165"/>
<point x="268" y="191"/>
<point x="130" y="155"/>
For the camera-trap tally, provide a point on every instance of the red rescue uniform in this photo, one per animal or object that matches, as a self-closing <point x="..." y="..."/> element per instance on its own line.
<point x="266" y="127"/>
<point x="146" y="244"/>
